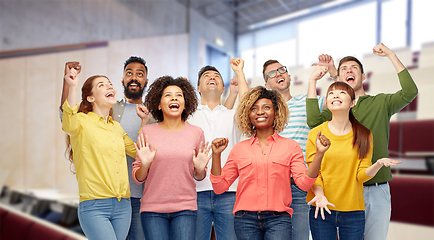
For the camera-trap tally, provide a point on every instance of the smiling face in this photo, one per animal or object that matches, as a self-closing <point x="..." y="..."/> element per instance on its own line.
<point x="103" y="93"/>
<point x="172" y="102"/>
<point x="134" y="80"/>
<point x="340" y="96"/>
<point x="262" y="114"/>
<point x="211" y="81"/>
<point x="350" y="72"/>
<point x="280" y="82"/>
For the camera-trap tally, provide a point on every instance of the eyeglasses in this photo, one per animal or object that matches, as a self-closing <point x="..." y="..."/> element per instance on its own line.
<point x="272" y="74"/>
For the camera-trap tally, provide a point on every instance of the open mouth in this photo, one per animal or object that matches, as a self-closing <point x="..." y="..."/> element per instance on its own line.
<point x="350" y="78"/>
<point x="280" y="80"/>
<point x="174" y="106"/>
<point x="133" y="84"/>
<point x="110" y="94"/>
<point x="261" y="119"/>
<point x="212" y="82"/>
<point x="336" y="102"/>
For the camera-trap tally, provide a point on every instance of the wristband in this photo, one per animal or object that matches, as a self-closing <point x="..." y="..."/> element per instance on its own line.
<point x="334" y="77"/>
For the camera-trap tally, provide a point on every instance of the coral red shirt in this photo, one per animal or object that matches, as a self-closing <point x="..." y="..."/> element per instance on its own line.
<point x="264" y="177"/>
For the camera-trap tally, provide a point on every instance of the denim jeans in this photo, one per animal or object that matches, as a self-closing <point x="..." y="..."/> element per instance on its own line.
<point x="377" y="211"/>
<point x="300" y="216"/>
<point x="217" y="208"/>
<point x="351" y="225"/>
<point x="105" y="219"/>
<point x="174" y="226"/>
<point x="266" y="225"/>
<point x="136" y="231"/>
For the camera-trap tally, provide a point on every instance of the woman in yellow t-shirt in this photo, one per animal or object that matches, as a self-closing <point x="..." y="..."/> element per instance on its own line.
<point x="97" y="147"/>
<point x="345" y="166"/>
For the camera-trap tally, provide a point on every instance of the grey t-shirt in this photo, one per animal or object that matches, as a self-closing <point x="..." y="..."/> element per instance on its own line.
<point x="131" y="123"/>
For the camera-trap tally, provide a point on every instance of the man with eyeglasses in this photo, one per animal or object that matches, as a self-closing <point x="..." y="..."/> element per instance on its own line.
<point x="277" y="78"/>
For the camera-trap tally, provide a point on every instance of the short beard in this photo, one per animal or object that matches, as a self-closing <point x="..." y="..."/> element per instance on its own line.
<point x="133" y="95"/>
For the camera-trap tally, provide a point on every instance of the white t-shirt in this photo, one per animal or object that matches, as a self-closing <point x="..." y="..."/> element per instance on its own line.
<point x="218" y="123"/>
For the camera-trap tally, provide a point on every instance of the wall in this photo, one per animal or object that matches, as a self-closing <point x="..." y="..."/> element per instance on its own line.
<point x="32" y="142"/>
<point x="44" y="23"/>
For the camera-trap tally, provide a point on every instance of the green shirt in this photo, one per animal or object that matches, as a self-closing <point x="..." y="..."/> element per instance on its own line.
<point x="374" y="112"/>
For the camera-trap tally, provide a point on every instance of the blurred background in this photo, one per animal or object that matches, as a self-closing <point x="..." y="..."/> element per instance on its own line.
<point x="178" y="37"/>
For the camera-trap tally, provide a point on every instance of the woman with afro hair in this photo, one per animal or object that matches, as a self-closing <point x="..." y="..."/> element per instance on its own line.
<point x="170" y="155"/>
<point x="264" y="164"/>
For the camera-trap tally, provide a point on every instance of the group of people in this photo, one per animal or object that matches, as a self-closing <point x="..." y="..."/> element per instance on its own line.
<point x="188" y="171"/>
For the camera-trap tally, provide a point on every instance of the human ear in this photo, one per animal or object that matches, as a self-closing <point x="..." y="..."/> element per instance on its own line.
<point x="90" y="99"/>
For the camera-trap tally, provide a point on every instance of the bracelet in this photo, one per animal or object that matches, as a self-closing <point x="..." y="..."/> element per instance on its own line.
<point x="334" y="77"/>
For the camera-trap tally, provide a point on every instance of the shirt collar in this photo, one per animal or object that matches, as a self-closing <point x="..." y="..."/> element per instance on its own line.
<point x="220" y="107"/>
<point x="98" y="118"/>
<point x="273" y="138"/>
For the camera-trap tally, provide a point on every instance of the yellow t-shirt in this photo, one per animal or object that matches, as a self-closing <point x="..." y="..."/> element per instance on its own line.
<point x="342" y="173"/>
<point x="99" y="149"/>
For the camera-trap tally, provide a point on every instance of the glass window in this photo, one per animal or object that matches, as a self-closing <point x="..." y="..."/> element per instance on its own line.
<point x="393" y="23"/>
<point x="423" y="18"/>
<point x="351" y="31"/>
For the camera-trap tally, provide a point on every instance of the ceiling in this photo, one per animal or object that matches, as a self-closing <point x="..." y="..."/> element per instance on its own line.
<point x="237" y="15"/>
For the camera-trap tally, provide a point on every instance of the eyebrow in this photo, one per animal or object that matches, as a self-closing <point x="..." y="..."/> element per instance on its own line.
<point x="172" y="92"/>
<point x="130" y="69"/>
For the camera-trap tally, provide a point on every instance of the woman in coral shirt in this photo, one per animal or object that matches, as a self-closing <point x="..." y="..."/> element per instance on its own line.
<point x="264" y="165"/>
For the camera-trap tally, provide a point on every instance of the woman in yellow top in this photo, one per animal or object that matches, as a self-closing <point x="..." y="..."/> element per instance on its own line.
<point x="345" y="166"/>
<point x="97" y="147"/>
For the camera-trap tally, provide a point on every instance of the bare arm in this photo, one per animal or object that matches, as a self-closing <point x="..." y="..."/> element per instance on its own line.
<point x="237" y="65"/>
<point x="316" y="75"/>
<point x="373" y="169"/>
<point x="233" y="92"/>
<point x="65" y="90"/>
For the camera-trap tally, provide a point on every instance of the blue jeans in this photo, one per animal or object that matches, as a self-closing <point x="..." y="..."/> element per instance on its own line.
<point x="174" y="226"/>
<point x="215" y="208"/>
<point x="263" y="225"/>
<point x="300" y="216"/>
<point x="377" y="211"/>
<point x="105" y="219"/>
<point x="351" y="225"/>
<point x="136" y="231"/>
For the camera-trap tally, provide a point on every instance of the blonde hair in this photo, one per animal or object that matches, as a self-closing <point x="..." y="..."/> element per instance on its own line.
<point x="281" y="112"/>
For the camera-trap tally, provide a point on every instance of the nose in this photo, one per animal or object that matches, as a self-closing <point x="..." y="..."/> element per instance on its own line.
<point x="260" y="111"/>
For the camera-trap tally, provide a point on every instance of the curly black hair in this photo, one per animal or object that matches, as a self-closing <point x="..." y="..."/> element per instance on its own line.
<point x="155" y="92"/>
<point x="133" y="59"/>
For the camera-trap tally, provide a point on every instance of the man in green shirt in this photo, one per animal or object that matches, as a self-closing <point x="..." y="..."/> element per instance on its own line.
<point x="374" y="112"/>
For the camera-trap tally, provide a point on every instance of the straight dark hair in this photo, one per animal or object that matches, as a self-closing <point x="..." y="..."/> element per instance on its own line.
<point x="361" y="134"/>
